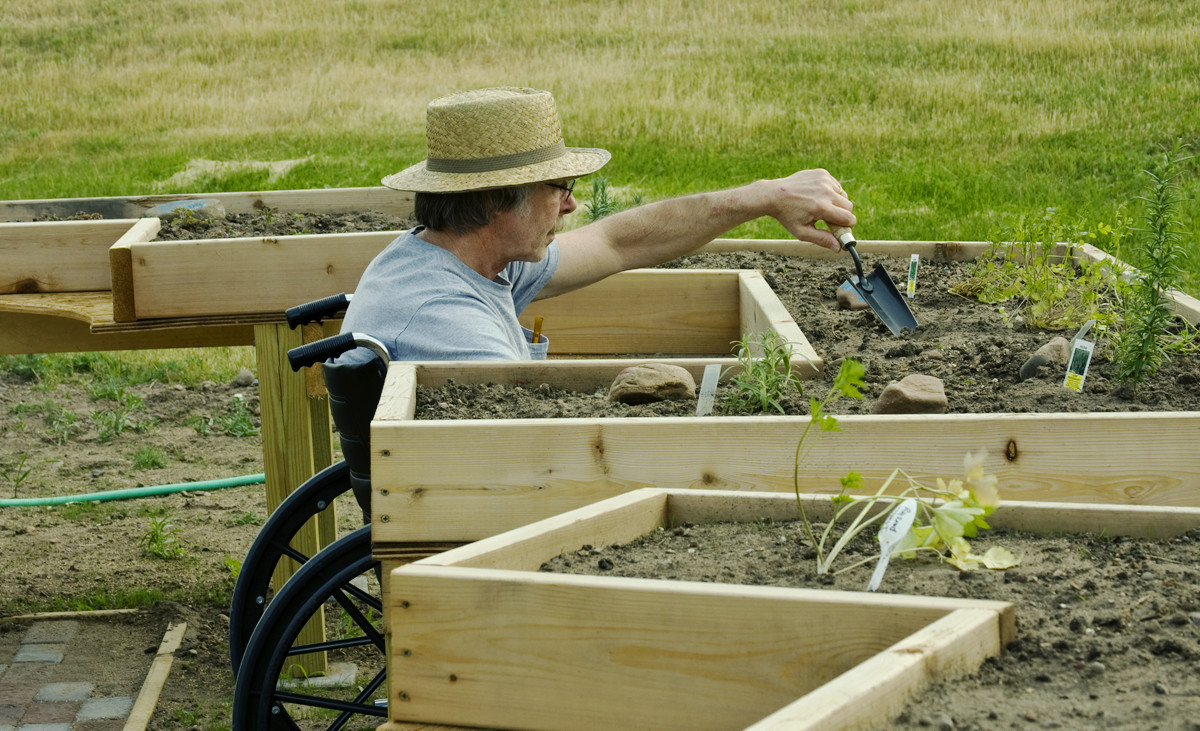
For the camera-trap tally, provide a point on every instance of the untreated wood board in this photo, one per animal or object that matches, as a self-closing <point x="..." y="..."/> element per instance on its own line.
<point x="313" y="200"/>
<point x="58" y="256"/>
<point x="206" y="277"/>
<point x="480" y="637"/>
<point x="522" y="470"/>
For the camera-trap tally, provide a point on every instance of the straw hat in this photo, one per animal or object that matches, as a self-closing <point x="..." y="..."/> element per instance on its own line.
<point x="491" y="138"/>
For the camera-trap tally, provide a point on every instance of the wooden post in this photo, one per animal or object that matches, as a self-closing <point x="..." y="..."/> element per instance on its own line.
<point x="296" y="443"/>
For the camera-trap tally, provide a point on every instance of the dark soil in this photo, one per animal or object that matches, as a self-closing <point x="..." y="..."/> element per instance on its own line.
<point x="964" y="343"/>
<point x="1108" y="629"/>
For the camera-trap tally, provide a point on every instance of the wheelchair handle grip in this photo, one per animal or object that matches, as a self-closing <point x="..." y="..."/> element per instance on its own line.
<point x="320" y="351"/>
<point x="316" y="310"/>
<point x="333" y="346"/>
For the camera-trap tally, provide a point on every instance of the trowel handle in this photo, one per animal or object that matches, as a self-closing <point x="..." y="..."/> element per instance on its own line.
<point x="843" y="234"/>
<point x="846" y="237"/>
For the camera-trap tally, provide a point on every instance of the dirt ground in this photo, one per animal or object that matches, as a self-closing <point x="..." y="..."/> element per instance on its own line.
<point x="1129" y="652"/>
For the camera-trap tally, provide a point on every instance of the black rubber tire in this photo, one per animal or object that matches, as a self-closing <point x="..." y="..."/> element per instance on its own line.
<point x="326" y="577"/>
<point x="252" y="592"/>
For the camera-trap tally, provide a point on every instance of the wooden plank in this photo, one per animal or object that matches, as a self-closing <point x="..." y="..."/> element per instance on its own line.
<point x="289" y="459"/>
<point x="120" y="261"/>
<point x="489" y="647"/>
<point x="1182" y="304"/>
<point x="1151" y="522"/>
<point x="761" y="311"/>
<point x="147" y="700"/>
<point x="874" y="692"/>
<point x="932" y="250"/>
<point x="618" y="520"/>
<point x="692" y="311"/>
<point x="206" y="277"/>
<point x="511" y="477"/>
<point x="313" y="200"/>
<point x="26" y="332"/>
<point x="57" y="256"/>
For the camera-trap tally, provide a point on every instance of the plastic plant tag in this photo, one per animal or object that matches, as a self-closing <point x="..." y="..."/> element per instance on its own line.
<point x="912" y="274"/>
<point x="1077" y="366"/>
<point x="894" y="527"/>
<point x="708" y="389"/>
<point x="1087" y="326"/>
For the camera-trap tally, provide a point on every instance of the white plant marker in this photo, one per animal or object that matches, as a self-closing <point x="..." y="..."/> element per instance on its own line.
<point x="1077" y="365"/>
<point x="708" y="389"/>
<point x="912" y="274"/>
<point x="894" y="527"/>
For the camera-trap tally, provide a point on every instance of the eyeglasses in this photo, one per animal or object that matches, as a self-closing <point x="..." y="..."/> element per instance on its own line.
<point x="569" y="186"/>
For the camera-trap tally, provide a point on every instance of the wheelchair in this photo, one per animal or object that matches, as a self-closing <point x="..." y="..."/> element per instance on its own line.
<point x="342" y="577"/>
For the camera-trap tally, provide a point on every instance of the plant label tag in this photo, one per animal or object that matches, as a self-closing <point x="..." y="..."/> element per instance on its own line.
<point x="708" y="389"/>
<point x="912" y="274"/>
<point x="1087" y="326"/>
<point x="894" y="527"/>
<point x="1077" y="366"/>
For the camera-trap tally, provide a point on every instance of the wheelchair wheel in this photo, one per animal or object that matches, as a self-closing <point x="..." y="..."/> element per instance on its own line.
<point x="342" y="578"/>
<point x="252" y="592"/>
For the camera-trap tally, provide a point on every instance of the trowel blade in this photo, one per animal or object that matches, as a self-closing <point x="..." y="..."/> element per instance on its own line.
<point x="885" y="300"/>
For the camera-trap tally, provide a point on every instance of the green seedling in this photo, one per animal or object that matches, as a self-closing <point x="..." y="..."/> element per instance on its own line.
<point x="763" y="376"/>
<point x="161" y="540"/>
<point x="16" y="474"/>
<point x="947" y="514"/>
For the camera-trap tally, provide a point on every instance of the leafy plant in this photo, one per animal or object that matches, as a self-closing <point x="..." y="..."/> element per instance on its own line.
<point x="604" y="200"/>
<point x="947" y="514"/>
<point x="149" y="458"/>
<point x="238" y="419"/>
<point x="161" y="540"/>
<point x="1039" y="288"/>
<point x="61" y="423"/>
<point x="763" y="375"/>
<point x="1145" y="339"/>
<point x="16" y="474"/>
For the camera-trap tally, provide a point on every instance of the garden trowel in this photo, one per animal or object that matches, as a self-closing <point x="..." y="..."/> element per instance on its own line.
<point x="877" y="289"/>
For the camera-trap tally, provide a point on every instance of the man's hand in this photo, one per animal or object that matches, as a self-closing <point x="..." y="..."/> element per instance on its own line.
<point x="802" y="199"/>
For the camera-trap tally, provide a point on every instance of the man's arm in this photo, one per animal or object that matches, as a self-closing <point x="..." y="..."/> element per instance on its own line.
<point x="652" y="234"/>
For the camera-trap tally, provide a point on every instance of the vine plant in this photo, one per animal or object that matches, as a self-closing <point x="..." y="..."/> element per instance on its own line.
<point x="947" y="513"/>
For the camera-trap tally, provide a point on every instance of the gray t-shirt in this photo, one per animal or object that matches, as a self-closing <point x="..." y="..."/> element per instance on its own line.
<point x="424" y="303"/>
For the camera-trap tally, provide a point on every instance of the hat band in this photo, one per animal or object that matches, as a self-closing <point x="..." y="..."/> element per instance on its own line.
<point x="500" y="162"/>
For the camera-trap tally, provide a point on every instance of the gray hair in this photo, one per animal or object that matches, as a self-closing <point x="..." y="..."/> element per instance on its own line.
<point x="462" y="213"/>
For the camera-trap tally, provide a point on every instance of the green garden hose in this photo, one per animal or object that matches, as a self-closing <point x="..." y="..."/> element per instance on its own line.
<point x="136" y="492"/>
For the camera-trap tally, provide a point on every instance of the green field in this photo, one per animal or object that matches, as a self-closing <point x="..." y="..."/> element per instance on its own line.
<point x="944" y="119"/>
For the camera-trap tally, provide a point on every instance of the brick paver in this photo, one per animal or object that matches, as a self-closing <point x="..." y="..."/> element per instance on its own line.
<point x="32" y="702"/>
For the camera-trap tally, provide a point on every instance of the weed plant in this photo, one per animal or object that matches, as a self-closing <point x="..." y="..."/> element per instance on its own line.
<point x="1039" y="288"/>
<point x="148" y="458"/>
<point x="161" y="539"/>
<point x="1145" y="338"/>
<point x="16" y="473"/>
<point x="763" y="377"/>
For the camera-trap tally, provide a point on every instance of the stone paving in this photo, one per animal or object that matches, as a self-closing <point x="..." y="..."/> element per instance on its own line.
<point x="37" y="695"/>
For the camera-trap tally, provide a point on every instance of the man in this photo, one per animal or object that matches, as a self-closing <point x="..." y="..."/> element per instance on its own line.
<point x="489" y="199"/>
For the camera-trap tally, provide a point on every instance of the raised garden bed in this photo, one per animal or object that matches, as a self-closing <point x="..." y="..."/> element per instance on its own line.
<point x="481" y="637"/>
